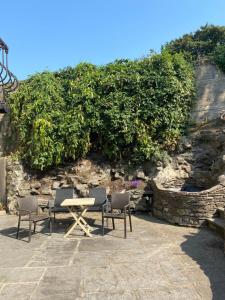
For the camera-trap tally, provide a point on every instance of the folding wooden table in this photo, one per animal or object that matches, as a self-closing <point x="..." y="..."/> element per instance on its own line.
<point x="78" y="207"/>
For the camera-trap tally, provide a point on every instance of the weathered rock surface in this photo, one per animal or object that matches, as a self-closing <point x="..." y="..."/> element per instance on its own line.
<point x="82" y="176"/>
<point x="192" y="187"/>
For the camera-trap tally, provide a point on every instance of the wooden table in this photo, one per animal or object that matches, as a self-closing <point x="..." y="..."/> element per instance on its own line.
<point x="73" y="205"/>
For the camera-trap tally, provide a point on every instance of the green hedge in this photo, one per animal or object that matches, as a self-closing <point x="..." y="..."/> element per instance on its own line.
<point x="208" y="41"/>
<point x="219" y="57"/>
<point x="132" y="110"/>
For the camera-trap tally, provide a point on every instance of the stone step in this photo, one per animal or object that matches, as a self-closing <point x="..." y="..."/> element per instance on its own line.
<point x="217" y="225"/>
<point x="221" y="212"/>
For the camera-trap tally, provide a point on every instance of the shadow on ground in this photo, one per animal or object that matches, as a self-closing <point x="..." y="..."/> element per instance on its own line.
<point x="156" y="261"/>
<point x="203" y="254"/>
<point x="59" y="226"/>
<point x="208" y="252"/>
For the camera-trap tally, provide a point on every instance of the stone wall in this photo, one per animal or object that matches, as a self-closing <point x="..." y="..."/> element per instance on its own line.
<point x="2" y="181"/>
<point x="224" y="230"/>
<point x="187" y="208"/>
<point x="192" y="187"/>
<point x="15" y="178"/>
<point x="210" y="82"/>
<point x="81" y="176"/>
<point x="4" y="120"/>
<point x="4" y="127"/>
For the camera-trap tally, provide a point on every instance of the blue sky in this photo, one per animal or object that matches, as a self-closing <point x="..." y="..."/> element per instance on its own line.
<point x="53" y="34"/>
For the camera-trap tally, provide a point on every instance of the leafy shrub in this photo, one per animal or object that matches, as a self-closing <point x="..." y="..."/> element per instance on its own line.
<point x="201" y="43"/>
<point x="219" y="56"/>
<point x="126" y="110"/>
<point x="45" y="127"/>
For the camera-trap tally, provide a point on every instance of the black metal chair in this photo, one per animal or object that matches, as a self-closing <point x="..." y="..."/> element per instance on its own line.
<point x="60" y="196"/>
<point x="28" y="211"/>
<point x="120" y="208"/>
<point x="99" y="193"/>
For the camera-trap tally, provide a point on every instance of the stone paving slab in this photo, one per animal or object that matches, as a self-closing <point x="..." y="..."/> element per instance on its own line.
<point x="156" y="261"/>
<point x="13" y="275"/>
<point x="64" y="281"/>
<point x="19" y="291"/>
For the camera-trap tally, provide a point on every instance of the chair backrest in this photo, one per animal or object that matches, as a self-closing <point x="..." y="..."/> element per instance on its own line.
<point x="119" y="200"/>
<point x="62" y="194"/>
<point x="29" y="203"/>
<point x="99" y="193"/>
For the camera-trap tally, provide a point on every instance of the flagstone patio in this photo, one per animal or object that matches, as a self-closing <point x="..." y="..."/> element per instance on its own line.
<point x="156" y="261"/>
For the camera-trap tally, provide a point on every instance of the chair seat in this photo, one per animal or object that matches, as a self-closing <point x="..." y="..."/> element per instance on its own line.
<point x="35" y="218"/>
<point x="94" y="207"/>
<point x="115" y="215"/>
<point x="59" y="209"/>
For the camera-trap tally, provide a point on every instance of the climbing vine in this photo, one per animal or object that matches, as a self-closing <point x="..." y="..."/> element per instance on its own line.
<point x="126" y="110"/>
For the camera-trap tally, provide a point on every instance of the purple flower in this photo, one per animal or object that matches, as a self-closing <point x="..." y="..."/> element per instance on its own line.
<point x="134" y="183"/>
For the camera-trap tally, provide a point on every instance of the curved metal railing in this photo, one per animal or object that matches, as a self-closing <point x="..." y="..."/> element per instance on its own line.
<point x="8" y="81"/>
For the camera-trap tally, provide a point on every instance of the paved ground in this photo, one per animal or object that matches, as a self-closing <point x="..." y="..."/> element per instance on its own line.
<point x="157" y="261"/>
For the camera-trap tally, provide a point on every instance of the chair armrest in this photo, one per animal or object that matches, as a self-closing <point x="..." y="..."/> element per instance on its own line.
<point x="24" y="210"/>
<point x="105" y="207"/>
<point x="51" y="204"/>
<point x="126" y="207"/>
<point x="43" y="206"/>
<point x="108" y="199"/>
<point x="27" y="212"/>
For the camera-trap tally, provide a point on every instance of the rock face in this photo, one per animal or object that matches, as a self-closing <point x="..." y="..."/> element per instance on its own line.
<point x="4" y="133"/>
<point x="192" y="187"/>
<point x="2" y="181"/>
<point x="82" y="176"/>
<point x="210" y="92"/>
<point x="14" y="181"/>
<point x="187" y="208"/>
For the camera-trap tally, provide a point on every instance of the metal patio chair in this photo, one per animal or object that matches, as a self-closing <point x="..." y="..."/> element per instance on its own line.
<point x="99" y="193"/>
<point x="120" y="209"/>
<point x="60" y="196"/>
<point x="28" y="211"/>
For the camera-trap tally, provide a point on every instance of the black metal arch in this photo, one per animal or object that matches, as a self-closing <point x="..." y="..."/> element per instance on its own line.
<point x="8" y="81"/>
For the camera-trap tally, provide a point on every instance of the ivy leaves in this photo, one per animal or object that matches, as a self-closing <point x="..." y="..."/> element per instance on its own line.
<point x="133" y="110"/>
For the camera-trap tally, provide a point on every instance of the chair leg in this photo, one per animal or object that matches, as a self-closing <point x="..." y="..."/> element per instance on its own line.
<point x="34" y="226"/>
<point x="18" y="227"/>
<point x="50" y="226"/>
<point x="50" y="220"/>
<point x="54" y="217"/>
<point x="113" y="223"/>
<point x="125" y="227"/>
<point x="130" y="221"/>
<point x="102" y="225"/>
<point x="30" y="224"/>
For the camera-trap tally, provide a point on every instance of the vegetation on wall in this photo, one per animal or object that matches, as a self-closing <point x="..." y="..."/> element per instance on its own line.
<point x="206" y="42"/>
<point x="127" y="110"/>
<point x="133" y="110"/>
<point x="219" y="57"/>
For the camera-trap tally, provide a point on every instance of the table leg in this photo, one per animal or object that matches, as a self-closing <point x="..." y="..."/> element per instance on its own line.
<point x="86" y="228"/>
<point x="79" y="220"/>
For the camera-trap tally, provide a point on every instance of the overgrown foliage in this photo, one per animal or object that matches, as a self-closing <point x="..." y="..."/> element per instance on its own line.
<point x="133" y="110"/>
<point x="219" y="57"/>
<point x="208" y="41"/>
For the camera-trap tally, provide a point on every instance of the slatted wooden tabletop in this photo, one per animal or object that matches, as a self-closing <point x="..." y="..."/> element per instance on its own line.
<point x="78" y="202"/>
